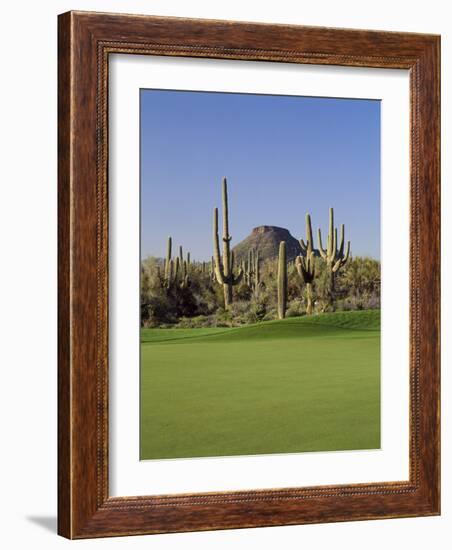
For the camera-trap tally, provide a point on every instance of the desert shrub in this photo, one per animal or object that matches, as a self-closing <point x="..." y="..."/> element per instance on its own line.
<point x="257" y="311"/>
<point x="242" y="292"/>
<point x="297" y="307"/>
<point x="158" y="310"/>
<point x="224" y="318"/>
<point x="200" y="321"/>
<point x="295" y="285"/>
<point x="271" y="314"/>
<point x="238" y="311"/>
<point x="355" y="303"/>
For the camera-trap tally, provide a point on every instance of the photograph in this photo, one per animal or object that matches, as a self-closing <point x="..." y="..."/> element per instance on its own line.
<point x="260" y="274"/>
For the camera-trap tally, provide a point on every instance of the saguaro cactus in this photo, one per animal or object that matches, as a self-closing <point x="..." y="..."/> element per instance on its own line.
<point x="173" y="268"/>
<point x="256" y="283"/>
<point x="224" y="266"/>
<point x="251" y="269"/>
<point x="332" y="255"/>
<point x="184" y="266"/>
<point x="282" y="280"/>
<point x="306" y="264"/>
<point x="167" y="261"/>
<point x="185" y="281"/>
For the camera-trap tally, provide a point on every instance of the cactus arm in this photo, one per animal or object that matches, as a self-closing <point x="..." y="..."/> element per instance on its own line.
<point x="168" y="258"/>
<point x="168" y="249"/>
<point x="303" y="246"/>
<point x="299" y="267"/>
<point x="321" y="249"/>
<point x="341" y="246"/>
<point x="216" y="250"/>
<point x="309" y="239"/>
<point x="236" y="279"/>
<point x="176" y="269"/>
<point x="342" y="261"/>
<point x="305" y="266"/>
<point x="347" y="254"/>
<point x="336" y="266"/>
<point x="185" y="280"/>
<point x="331" y="246"/>
<point x="334" y="252"/>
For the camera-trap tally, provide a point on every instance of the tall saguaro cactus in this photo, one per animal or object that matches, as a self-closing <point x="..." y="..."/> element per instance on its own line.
<point x="333" y="255"/>
<point x="282" y="280"/>
<point x="167" y="261"/>
<point x="306" y="264"/>
<point x="224" y="265"/>
<point x="171" y="267"/>
<point x="256" y="284"/>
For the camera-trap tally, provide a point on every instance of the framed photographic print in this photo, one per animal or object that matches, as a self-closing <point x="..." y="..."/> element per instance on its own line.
<point x="248" y="275"/>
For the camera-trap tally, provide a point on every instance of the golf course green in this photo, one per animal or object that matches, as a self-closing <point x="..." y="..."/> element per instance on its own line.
<point x="300" y="384"/>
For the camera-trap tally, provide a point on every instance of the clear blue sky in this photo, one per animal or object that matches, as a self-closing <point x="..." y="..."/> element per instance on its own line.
<point x="283" y="156"/>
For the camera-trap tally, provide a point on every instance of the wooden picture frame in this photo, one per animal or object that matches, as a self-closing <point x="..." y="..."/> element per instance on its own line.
<point x="86" y="40"/>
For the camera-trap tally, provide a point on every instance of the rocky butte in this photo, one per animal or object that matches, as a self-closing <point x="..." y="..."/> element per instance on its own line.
<point x="266" y="239"/>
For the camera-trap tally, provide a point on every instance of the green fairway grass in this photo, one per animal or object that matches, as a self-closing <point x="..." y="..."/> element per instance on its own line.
<point x="301" y="384"/>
